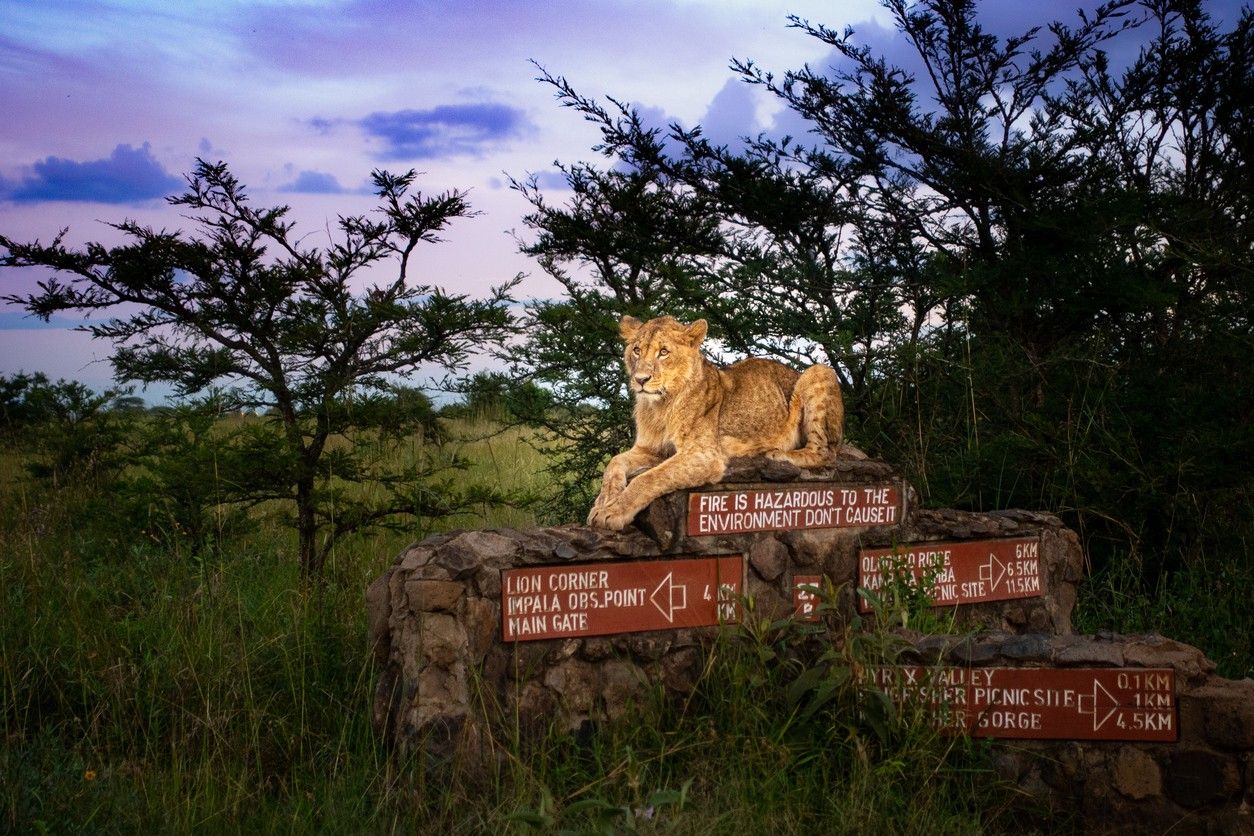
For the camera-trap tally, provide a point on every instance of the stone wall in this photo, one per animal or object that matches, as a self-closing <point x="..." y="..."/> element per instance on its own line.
<point x="435" y="616"/>
<point x="1203" y="782"/>
<point x="436" y="629"/>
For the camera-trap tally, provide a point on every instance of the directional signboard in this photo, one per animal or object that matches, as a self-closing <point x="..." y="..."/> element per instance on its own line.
<point x="961" y="573"/>
<point x="597" y="599"/>
<point x="791" y="508"/>
<point x="805" y="603"/>
<point x="1042" y="703"/>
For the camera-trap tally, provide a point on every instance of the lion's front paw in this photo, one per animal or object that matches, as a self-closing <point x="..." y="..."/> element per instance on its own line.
<point x="609" y="516"/>
<point x="598" y="518"/>
<point x="596" y="515"/>
<point x="611" y="489"/>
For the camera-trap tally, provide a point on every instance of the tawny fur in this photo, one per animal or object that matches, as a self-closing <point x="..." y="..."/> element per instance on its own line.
<point x="692" y="416"/>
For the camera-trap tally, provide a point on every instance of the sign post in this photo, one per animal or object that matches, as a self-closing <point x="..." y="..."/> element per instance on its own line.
<point x="1041" y="703"/>
<point x="597" y="599"/>
<point x="962" y="573"/>
<point x="805" y="604"/>
<point x="791" y="508"/>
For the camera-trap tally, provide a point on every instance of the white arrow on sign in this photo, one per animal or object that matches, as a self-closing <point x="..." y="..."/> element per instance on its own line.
<point x="666" y="591"/>
<point x="986" y="571"/>
<point x="1096" y="708"/>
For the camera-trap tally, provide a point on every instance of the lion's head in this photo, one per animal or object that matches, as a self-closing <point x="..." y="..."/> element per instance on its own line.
<point x="660" y="355"/>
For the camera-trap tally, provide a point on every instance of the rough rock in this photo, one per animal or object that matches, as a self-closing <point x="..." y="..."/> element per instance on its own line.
<point x="1136" y="774"/>
<point x="449" y="682"/>
<point x="433" y="595"/>
<point x="769" y="557"/>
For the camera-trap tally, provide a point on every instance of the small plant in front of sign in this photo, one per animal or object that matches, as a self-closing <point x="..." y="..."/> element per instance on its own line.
<point x="906" y="596"/>
<point x="822" y="680"/>
<point x="826" y="595"/>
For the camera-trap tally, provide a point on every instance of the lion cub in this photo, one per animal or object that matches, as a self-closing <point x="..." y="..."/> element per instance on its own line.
<point x="692" y="416"/>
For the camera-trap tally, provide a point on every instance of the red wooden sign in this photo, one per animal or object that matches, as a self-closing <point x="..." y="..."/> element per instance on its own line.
<point x="805" y="603"/>
<point x="792" y="507"/>
<point x="961" y="573"/>
<point x="1042" y="703"/>
<point x="597" y="599"/>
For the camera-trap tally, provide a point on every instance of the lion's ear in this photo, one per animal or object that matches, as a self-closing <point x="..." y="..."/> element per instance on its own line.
<point x="628" y="327"/>
<point x="696" y="332"/>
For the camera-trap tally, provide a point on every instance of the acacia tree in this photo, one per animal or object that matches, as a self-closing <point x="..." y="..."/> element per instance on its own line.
<point x="838" y="246"/>
<point x="310" y="336"/>
<point x="974" y="162"/>
<point x="624" y="243"/>
<point x="1031" y="268"/>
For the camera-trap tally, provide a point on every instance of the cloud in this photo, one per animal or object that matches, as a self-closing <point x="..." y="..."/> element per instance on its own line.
<point x="128" y="175"/>
<point x="322" y="125"/>
<point x="548" y="180"/>
<point x="732" y="114"/>
<point x="314" y="182"/>
<point x="445" y="131"/>
<point x="552" y="180"/>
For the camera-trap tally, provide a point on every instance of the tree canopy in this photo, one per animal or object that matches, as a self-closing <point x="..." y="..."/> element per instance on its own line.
<point x="320" y="339"/>
<point x="1031" y="269"/>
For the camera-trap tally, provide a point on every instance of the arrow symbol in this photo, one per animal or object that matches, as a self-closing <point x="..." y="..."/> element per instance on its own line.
<point x="1096" y="706"/>
<point x="986" y="571"/>
<point x="666" y="600"/>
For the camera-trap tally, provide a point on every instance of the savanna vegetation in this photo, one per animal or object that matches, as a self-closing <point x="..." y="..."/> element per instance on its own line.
<point x="1032" y="270"/>
<point x="156" y="676"/>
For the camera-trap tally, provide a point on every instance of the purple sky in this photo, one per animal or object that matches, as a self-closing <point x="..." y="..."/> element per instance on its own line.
<point x="107" y="103"/>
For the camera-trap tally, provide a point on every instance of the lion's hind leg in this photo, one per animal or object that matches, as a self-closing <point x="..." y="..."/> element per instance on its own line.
<point x="819" y="409"/>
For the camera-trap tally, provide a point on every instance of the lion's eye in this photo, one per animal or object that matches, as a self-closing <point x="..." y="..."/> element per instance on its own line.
<point x="662" y="352"/>
<point x="636" y="350"/>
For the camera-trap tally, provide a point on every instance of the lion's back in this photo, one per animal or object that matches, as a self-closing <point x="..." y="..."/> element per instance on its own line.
<point x="756" y="392"/>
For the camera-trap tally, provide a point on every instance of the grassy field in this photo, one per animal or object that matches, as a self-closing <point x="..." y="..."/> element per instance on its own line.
<point x="142" y="690"/>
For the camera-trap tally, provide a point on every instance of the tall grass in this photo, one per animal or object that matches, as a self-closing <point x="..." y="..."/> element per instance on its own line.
<point x="1206" y="603"/>
<point x="751" y="753"/>
<point x="141" y="688"/>
<point x="214" y="692"/>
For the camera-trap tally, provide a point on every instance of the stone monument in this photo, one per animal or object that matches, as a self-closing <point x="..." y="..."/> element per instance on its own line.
<point x="569" y="625"/>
